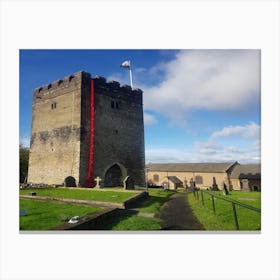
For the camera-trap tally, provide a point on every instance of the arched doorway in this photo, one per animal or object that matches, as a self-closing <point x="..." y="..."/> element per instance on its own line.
<point x="114" y="176"/>
<point x="70" y="182"/>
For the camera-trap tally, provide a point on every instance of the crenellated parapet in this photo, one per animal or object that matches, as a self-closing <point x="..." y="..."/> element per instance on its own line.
<point x="115" y="90"/>
<point x="71" y="82"/>
<point x="58" y="87"/>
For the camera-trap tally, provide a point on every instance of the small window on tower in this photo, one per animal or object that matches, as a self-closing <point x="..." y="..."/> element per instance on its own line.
<point x="53" y="106"/>
<point x="117" y="105"/>
<point x="112" y="104"/>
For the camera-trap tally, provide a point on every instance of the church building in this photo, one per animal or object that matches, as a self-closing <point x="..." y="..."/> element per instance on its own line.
<point x="85" y="128"/>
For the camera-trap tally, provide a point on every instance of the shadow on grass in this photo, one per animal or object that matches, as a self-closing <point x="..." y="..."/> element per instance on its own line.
<point x="113" y="220"/>
<point x="153" y="202"/>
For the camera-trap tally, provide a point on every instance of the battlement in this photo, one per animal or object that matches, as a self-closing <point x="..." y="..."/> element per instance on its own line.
<point x="113" y="89"/>
<point x="59" y="87"/>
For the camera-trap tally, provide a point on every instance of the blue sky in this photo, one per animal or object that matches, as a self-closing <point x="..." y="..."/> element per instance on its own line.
<point x="199" y="105"/>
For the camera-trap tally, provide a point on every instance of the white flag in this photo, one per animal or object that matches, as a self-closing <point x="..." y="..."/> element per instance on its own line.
<point x="126" y="64"/>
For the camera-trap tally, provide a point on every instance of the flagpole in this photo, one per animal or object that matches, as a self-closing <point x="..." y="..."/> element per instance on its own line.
<point x="130" y="72"/>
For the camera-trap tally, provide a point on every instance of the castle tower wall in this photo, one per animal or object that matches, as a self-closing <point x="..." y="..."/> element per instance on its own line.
<point x="55" y="134"/>
<point x="119" y="131"/>
<point x="83" y="128"/>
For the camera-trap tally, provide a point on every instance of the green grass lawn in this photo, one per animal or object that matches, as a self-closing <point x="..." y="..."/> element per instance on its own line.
<point x="157" y="197"/>
<point x="97" y="195"/>
<point x="46" y="215"/>
<point x="43" y="215"/>
<point x="129" y="221"/>
<point x="223" y="220"/>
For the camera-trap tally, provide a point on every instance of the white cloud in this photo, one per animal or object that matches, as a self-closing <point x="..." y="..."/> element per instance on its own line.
<point x="199" y="154"/>
<point x="211" y="151"/>
<point x="251" y="130"/>
<point x="24" y="141"/>
<point x="149" y="119"/>
<point x="205" y="79"/>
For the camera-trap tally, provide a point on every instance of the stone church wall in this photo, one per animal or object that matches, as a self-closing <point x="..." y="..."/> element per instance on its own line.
<point x="61" y="126"/>
<point x="55" y="136"/>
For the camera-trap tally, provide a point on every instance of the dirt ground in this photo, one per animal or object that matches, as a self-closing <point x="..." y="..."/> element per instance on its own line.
<point x="176" y="214"/>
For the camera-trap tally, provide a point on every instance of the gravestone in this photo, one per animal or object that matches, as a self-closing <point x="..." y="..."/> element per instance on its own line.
<point x="245" y="185"/>
<point x="128" y="183"/>
<point x="225" y="190"/>
<point x="97" y="180"/>
<point x="192" y="185"/>
<point x="165" y="186"/>
<point x="214" y="185"/>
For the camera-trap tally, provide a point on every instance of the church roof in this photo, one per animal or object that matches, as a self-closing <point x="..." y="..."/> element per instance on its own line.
<point x="246" y="171"/>
<point x="191" y="167"/>
<point x="174" y="179"/>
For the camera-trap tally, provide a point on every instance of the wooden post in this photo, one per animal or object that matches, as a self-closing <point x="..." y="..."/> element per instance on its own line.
<point x="213" y="205"/>
<point x="202" y="198"/>
<point x="235" y="216"/>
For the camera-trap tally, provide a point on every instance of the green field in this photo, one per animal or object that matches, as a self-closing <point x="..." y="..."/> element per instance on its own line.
<point x="46" y="215"/>
<point x="87" y="194"/>
<point x="152" y="205"/>
<point x="223" y="219"/>
<point x="43" y="215"/>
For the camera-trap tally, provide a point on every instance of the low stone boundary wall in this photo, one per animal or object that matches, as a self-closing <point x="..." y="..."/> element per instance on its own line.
<point x="75" y="201"/>
<point x="126" y="204"/>
<point x="91" y="221"/>
<point x="135" y="199"/>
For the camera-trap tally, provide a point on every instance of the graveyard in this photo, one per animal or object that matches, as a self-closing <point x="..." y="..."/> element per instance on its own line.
<point x="53" y="208"/>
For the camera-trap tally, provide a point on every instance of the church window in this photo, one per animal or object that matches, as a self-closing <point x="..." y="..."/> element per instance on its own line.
<point x="156" y="178"/>
<point x="198" y="180"/>
<point x="115" y="104"/>
<point x="53" y="106"/>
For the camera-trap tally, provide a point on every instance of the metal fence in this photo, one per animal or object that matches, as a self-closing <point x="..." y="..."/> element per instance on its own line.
<point x="233" y="203"/>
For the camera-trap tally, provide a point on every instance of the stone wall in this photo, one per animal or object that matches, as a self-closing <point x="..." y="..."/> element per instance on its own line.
<point x="207" y="178"/>
<point x="119" y="130"/>
<point x="61" y="131"/>
<point x="55" y="133"/>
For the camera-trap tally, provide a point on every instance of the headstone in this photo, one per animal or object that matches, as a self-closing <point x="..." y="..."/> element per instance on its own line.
<point x="214" y="185"/>
<point x="165" y="186"/>
<point x="192" y="185"/>
<point x="128" y="183"/>
<point x="226" y="192"/>
<point x="97" y="180"/>
<point x="245" y="185"/>
<point x="186" y="184"/>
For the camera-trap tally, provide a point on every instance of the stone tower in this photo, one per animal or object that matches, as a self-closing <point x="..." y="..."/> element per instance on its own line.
<point x="83" y="128"/>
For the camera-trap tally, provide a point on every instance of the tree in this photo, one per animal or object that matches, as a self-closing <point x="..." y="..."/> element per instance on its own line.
<point x="23" y="163"/>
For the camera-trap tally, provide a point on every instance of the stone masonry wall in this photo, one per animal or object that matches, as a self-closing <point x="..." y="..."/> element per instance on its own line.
<point x="119" y="130"/>
<point x="207" y="178"/>
<point x="61" y="130"/>
<point x="55" y="133"/>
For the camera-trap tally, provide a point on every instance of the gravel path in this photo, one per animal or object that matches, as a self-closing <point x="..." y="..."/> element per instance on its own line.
<point x="176" y="214"/>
